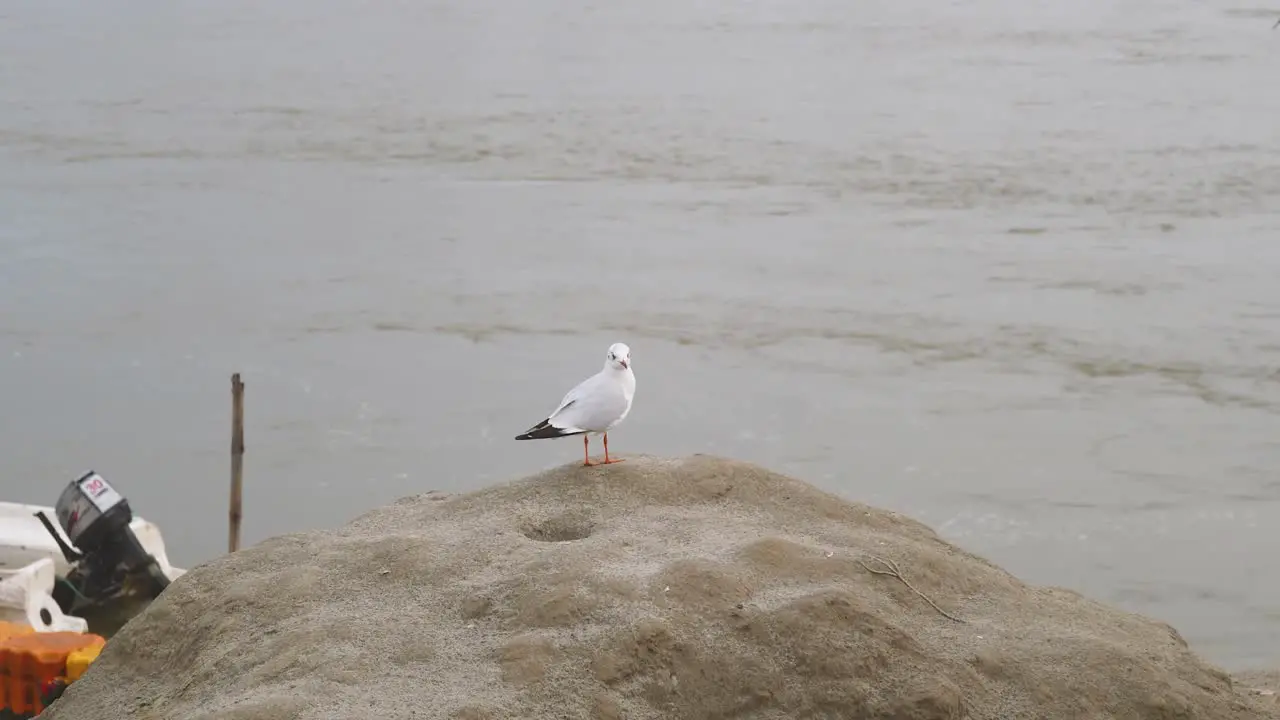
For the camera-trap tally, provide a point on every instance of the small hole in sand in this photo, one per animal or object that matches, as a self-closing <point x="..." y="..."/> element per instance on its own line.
<point x="559" y="529"/>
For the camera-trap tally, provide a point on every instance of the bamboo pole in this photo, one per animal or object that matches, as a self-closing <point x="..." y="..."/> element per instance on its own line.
<point x="237" y="458"/>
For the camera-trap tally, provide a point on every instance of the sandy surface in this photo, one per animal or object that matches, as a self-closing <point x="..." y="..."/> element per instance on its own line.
<point x="1262" y="689"/>
<point x="655" y="588"/>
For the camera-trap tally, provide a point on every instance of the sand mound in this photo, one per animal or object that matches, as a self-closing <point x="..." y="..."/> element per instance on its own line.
<point x="693" y="588"/>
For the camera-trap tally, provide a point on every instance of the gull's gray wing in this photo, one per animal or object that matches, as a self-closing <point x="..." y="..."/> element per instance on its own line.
<point x="592" y="406"/>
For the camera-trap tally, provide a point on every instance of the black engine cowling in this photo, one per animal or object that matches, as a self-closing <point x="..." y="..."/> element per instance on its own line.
<point x="110" y="560"/>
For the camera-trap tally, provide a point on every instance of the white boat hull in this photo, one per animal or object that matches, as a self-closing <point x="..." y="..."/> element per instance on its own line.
<point x="31" y="563"/>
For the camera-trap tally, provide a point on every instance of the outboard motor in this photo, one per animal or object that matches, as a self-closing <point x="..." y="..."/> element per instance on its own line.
<point x="110" y="561"/>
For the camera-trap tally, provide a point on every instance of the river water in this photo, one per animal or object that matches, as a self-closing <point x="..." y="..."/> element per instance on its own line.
<point x="1009" y="267"/>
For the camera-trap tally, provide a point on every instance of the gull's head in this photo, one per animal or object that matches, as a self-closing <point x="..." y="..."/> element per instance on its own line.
<point x="619" y="356"/>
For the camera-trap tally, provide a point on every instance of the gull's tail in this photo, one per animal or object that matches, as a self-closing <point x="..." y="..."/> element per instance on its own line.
<point x="545" y="431"/>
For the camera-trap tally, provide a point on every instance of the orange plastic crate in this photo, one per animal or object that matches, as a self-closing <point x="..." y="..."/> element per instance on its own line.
<point x="8" y="630"/>
<point x="29" y="662"/>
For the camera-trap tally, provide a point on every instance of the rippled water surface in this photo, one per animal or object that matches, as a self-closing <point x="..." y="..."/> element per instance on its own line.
<point x="1008" y="267"/>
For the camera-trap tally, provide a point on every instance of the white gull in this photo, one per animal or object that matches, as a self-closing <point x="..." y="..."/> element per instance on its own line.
<point x="594" y="407"/>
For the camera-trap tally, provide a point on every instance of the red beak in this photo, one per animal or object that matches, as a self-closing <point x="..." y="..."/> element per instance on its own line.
<point x="625" y="364"/>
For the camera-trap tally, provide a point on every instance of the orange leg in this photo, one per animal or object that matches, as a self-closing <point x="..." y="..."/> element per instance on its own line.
<point x="586" y="454"/>
<point x="606" y="451"/>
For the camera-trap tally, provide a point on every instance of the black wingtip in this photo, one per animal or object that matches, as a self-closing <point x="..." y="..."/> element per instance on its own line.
<point x="545" y="431"/>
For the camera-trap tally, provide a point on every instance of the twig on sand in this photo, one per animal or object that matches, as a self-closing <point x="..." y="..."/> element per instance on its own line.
<point x="894" y="571"/>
